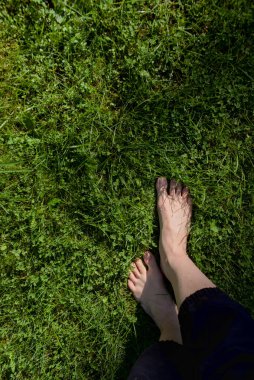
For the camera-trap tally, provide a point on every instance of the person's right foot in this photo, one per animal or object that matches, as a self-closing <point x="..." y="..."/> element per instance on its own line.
<point x="174" y="209"/>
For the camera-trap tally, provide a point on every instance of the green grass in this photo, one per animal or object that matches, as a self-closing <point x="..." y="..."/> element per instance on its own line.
<point x="98" y="98"/>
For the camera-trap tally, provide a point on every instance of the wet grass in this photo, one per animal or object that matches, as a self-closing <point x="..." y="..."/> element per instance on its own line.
<point x="98" y="99"/>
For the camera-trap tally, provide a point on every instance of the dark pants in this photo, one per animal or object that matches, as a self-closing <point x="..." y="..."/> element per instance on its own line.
<point x="218" y="343"/>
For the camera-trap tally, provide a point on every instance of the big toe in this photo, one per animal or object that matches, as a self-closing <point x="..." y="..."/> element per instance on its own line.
<point x="161" y="185"/>
<point x="150" y="260"/>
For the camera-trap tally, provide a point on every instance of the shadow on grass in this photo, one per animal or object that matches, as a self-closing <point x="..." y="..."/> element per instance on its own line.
<point x="144" y="334"/>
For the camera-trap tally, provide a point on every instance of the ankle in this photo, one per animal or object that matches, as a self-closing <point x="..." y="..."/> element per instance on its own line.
<point x="176" y="257"/>
<point x="173" y="251"/>
<point x="172" y="334"/>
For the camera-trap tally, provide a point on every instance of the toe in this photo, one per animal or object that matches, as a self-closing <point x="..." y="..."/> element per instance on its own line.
<point x="131" y="285"/>
<point x="187" y="198"/>
<point x="172" y="187"/>
<point x="189" y="201"/>
<point x="178" y="188"/>
<point x="149" y="259"/>
<point x="135" y="270"/>
<point x="132" y="278"/>
<point x="140" y="266"/>
<point x="161" y="185"/>
<point x="185" y="192"/>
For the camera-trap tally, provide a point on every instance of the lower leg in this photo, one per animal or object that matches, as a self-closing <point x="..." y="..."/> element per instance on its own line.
<point x="174" y="209"/>
<point x="184" y="276"/>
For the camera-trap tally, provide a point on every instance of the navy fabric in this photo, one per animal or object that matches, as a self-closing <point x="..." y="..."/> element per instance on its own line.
<point x="218" y="343"/>
<point x="156" y="361"/>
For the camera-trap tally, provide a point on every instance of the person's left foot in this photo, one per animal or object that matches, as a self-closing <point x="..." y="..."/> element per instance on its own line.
<point x="148" y="288"/>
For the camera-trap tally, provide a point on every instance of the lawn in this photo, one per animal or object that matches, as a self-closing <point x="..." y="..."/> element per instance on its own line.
<point x="98" y="99"/>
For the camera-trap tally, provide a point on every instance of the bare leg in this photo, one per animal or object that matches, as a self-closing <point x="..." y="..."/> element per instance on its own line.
<point x="174" y="208"/>
<point x="148" y="288"/>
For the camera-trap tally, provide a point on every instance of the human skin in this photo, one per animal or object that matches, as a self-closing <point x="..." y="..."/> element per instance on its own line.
<point x="147" y="285"/>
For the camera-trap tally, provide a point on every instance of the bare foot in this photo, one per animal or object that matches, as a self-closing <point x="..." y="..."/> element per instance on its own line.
<point x="148" y="288"/>
<point x="174" y="209"/>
